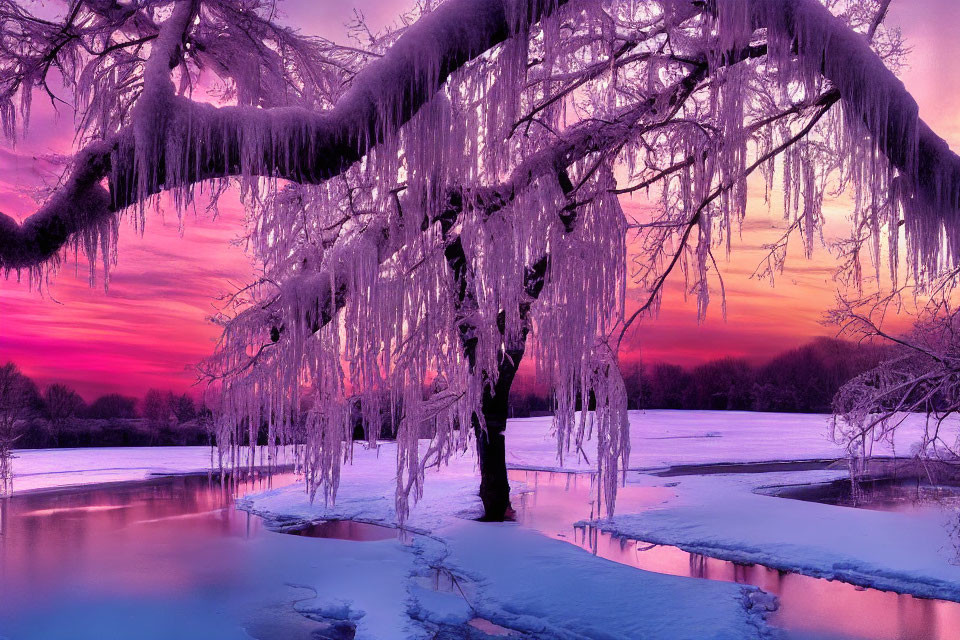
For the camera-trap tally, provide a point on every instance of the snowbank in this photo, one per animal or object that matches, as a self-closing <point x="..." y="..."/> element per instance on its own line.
<point x="722" y="516"/>
<point x="35" y="469"/>
<point x="668" y="438"/>
<point x="366" y="494"/>
<point x="509" y="575"/>
<point x="552" y="589"/>
<point x="49" y="468"/>
<point x="361" y="583"/>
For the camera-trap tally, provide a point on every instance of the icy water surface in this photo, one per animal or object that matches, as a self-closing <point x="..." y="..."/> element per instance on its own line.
<point x="903" y="496"/>
<point x="348" y="530"/>
<point x="810" y="607"/>
<point x="165" y="559"/>
<point x="172" y="558"/>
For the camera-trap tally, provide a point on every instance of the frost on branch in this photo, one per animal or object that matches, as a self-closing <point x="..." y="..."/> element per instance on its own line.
<point x="423" y="208"/>
<point x="921" y="375"/>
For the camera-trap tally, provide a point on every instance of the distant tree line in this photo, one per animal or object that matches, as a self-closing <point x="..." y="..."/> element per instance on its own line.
<point x="802" y="380"/>
<point x="31" y="418"/>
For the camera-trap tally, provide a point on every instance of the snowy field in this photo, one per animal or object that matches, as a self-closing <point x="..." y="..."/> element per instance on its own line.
<point x="667" y="438"/>
<point x="518" y="578"/>
<point x="35" y="469"/>
<point x="659" y="439"/>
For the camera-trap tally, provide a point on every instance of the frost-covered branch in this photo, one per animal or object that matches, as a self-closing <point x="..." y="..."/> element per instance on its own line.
<point x="195" y="142"/>
<point x="921" y="375"/>
<point x="212" y="143"/>
<point x="930" y="171"/>
<point x="583" y="139"/>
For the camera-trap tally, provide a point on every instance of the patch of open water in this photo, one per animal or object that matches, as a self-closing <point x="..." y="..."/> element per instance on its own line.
<point x="347" y="530"/>
<point x="154" y="560"/>
<point x="902" y="495"/>
<point x="807" y="605"/>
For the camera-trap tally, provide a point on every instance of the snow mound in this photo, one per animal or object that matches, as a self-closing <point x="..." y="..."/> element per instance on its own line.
<point x="719" y="516"/>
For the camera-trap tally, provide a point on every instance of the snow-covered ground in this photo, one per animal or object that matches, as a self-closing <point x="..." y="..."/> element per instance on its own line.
<point x="551" y="589"/>
<point x="719" y="515"/>
<point x="667" y="438"/>
<point x="722" y="516"/>
<point x="544" y="587"/>
<point x="50" y="468"/>
<point x="659" y="439"/>
<point x="35" y="469"/>
<point x="508" y="574"/>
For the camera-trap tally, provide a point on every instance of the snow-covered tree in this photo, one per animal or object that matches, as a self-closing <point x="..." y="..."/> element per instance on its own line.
<point x="921" y="377"/>
<point x="426" y="202"/>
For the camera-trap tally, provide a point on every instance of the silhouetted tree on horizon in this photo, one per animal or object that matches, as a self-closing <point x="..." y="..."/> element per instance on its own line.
<point x="182" y="407"/>
<point x="61" y="405"/>
<point x="111" y="406"/>
<point x="156" y="408"/>
<point x="18" y="396"/>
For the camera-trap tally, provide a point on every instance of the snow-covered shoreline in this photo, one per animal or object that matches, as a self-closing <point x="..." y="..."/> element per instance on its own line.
<point x="532" y="586"/>
<point x="723" y="516"/>
<point x="660" y="439"/>
<point x="50" y="469"/>
<point x="720" y="515"/>
<point x="514" y="576"/>
<point x="43" y="469"/>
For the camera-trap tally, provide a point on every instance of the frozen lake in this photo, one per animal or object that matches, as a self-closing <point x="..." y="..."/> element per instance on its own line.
<point x="808" y="606"/>
<point x="173" y="558"/>
<point x="161" y="559"/>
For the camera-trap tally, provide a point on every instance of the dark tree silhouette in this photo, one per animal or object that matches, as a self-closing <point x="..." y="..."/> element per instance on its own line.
<point x="61" y="405"/>
<point x="112" y="406"/>
<point x="18" y="396"/>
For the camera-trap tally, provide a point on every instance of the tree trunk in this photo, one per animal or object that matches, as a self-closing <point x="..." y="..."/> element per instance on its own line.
<point x="491" y="445"/>
<point x="491" y="452"/>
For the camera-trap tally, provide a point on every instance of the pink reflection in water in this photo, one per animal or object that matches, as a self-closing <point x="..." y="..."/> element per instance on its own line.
<point x="490" y="628"/>
<point x="806" y="604"/>
<point x="348" y="530"/>
<point x="166" y="558"/>
<point x="120" y="533"/>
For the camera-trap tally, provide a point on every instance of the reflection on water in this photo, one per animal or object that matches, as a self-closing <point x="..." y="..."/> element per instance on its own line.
<point x="490" y="628"/>
<point x="348" y="530"/>
<point x="903" y="496"/>
<point x="166" y="558"/>
<point x="806" y="604"/>
<point x="172" y="558"/>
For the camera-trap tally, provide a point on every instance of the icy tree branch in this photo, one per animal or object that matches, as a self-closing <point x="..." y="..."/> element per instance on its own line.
<point x="580" y="141"/>
<point x="290" y="143"/>
<point x="311" y="147"/>
<point x="861" y="78"/>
